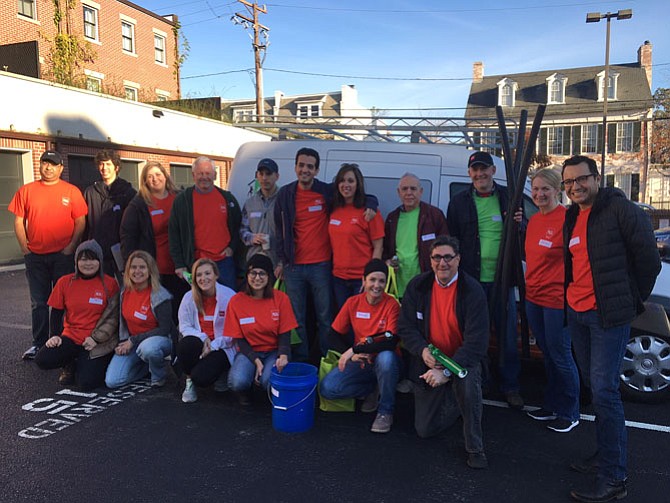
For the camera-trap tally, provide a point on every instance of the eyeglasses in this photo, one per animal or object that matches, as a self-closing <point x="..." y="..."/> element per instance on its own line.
<point x="446" y="258"/>
<point x="581" y="180"/>
<point x="260" y="274"/>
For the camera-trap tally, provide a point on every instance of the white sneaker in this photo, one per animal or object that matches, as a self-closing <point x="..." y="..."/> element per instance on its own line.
<point x="189" y="395"/>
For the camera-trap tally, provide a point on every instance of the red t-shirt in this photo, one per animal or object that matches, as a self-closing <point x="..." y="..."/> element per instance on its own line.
<point x="83" y="301"/>
<point x="259" y="321"/>
<point x="136" y="310"/>
<point x="365" y="319"/>
<point x="210" y="217"/>
<point x="50" y="212"/>
<point x="312" y="244"/>
<point x="160" y="215"/>
<point x="445" y="334"/>
<point x="581" y="295"/>
<point x="351" y="239"/>
<point x="207" y="320"/>
<point x="544" y="259"/>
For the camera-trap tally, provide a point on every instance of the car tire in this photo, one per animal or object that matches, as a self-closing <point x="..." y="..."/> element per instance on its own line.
<point x="645" y="370"/>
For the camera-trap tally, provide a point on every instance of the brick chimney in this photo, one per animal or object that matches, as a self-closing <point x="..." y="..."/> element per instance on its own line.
<point x="478" y="72"/>
<point x="644" y="59"/>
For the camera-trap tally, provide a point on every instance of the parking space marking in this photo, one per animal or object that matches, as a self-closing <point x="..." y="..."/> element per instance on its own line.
<point x="589" y="417"/>
<point x="14" y="325"/>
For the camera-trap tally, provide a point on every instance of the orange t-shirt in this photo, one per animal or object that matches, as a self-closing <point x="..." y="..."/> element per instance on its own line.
<point x="50" y="212"/>
<point x="210" y="220"/>
<point x="544" y="259"/>
<point x="312" y="244"/>
<point x="136" y="310"/>
<point x="160" y="215"/>
<point x="581" y="295"/>
<point x="445" y="334"/>
<point x="365" y="319"/>
<point x="259" y="321"/>
<point x="83" y="301"/>
<point x="207" y="320"/>
<point x="351" y="239"/>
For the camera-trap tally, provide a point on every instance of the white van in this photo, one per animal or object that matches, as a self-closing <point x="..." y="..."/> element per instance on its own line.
<point x="441" y="168"/>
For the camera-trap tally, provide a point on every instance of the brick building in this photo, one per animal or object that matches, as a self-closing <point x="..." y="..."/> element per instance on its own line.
<point x="132" y="50"/>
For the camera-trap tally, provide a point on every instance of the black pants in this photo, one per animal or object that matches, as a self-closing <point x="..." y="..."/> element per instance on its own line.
<point x="205" y="371"/>
<point x="89" y="372"/>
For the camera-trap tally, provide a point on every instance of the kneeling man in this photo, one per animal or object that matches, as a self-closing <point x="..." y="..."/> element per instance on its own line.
<point x="447" y="308"/>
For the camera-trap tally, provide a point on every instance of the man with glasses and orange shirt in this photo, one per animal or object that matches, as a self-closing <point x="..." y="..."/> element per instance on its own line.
<point x="611" y="264"/>
<point x="446" y="307"/>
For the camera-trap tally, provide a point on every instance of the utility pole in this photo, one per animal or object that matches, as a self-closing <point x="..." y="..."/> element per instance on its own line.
<point x="260" y="31"/>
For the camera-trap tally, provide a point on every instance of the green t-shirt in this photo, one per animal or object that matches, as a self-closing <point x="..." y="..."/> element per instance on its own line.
<point x="490" y="234"/>
<point x="407" y="248"/>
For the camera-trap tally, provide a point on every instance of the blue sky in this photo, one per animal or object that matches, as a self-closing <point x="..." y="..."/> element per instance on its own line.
<point x="403" y="39"/>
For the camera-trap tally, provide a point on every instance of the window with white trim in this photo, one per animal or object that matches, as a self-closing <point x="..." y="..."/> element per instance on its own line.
<point x="556" y="83"/>
<point x="506" y="92"/>
<point x="90" y="22"/>
<point x="555" y="140"/>
<point x="308" y="110"/>
<point x="93" y="84"/>
<point x="159" y="49"/>
<point x="590" y="139"/>
<point x="244" y="114"/>
<point x="26" y="8"/>
<point x="612" y="84"/>
<point x="128" y="36"/>
<point x="130" y="92"/>
<point x="624" y="137"/>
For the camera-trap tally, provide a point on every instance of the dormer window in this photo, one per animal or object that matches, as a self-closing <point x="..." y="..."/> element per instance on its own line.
<point x="612" y="85"/>
<point x="556" y="88"/>
<point x="506" y="92"/>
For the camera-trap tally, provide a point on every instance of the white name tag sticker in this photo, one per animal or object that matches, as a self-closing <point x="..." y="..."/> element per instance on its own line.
<point x="139" y="315"/>
<point x="419" y="315"/>
<point x="428" y="237"/>
<point x="208" y="318"/>
<point x="545" y="243"/>
<point x="574" y="241"/>
<point x="362" y="315"/>
<point x="255" y="214"/>
<point x="496" y="218"/>
<point x="95" y="300"/>
<point x="157" y="212"/>
<point x="334" y="221"/>
<point x="318" y="207"/>
<point x="247" y="321"/>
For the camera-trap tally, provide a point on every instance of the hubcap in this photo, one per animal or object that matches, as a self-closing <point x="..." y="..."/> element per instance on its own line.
<point x="646" y="364"/>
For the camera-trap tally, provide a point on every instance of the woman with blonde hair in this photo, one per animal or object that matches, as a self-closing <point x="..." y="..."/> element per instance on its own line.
<point x="204" y="352"/>
<point x="146" y="328"/>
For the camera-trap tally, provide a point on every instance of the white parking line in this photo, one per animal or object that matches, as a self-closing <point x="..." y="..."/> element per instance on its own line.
<point x="588" y="417"/>
<point x="14" y="325"/>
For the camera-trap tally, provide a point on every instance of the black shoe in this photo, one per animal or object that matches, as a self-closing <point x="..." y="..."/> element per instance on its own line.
<point x="66" y="377"/>
<point x="562" y="425"/>
<point x="244" y="398"/>
<point x="603" y="490"/>
<point x="477" y="460"/>
<point x="30" y="353"/>
<point x="541" y="415"/>
<point x="587" y="466"/>
<point x="514" y="400"/>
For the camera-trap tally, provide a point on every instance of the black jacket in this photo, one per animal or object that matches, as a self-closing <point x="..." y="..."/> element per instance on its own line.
<point x="105" y="211"/>
<point x="471" y="312"/>
<point x="137" y="230"/>
<point x="622" y="252"/>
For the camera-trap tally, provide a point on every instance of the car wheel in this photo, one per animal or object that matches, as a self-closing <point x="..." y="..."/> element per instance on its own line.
<point x="645" y="371"/>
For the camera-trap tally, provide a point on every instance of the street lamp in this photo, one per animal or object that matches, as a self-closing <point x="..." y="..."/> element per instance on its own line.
<point x="595" y="17"/>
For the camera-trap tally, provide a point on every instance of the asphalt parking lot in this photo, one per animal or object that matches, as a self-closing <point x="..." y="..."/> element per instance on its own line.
<point x="144" y="445"/>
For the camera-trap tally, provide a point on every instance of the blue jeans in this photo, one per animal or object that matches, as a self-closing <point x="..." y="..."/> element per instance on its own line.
<point x="148" y="357"/>
<point x="317" y="277"/>
<point x="243" y="371"/>
<point x="508" y="364"/>
<point x="227" y="274"/>
<point x="355" y="382"/>
<point x="42" y="272"/>
<point x="562" y="392"/>
<point x="345" y="288"/>
<point x="599" y="352"/>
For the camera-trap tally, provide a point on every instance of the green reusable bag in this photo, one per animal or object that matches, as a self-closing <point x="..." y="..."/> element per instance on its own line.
<point x="281" y="286"/>
<point x="328" y="363"/>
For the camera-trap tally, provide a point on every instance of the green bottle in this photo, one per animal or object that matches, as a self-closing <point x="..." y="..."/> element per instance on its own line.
<point x="447" y="362"/>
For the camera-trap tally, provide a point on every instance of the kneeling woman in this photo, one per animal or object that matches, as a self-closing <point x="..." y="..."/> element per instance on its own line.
<point x="145" y="325"/>
<point x="87" y="302"/>
<point x="260" y="319"/>
<point x="205" y="353"/>
<point x="359" y="372"/>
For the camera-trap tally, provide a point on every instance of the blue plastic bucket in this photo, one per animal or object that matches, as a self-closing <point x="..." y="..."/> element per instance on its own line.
<point x="293" y="393"/>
